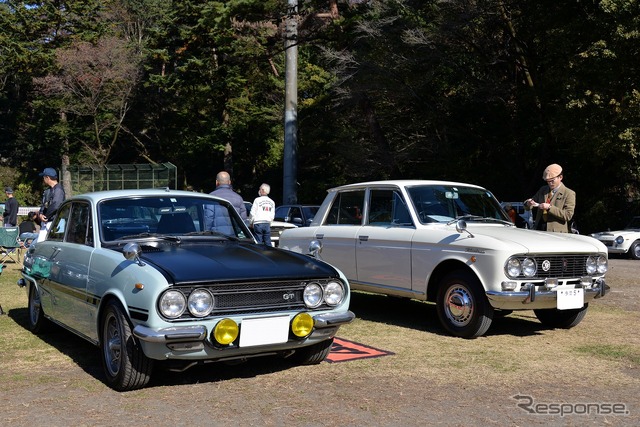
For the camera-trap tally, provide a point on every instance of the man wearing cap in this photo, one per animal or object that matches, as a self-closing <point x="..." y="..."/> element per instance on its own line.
<point x="555" y="202"/>
<point x="51" y="201"/>
<point x="10" y="214"/>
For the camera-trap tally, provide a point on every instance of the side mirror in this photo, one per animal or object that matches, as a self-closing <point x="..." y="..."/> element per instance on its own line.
<point x="315" y="247"/>
<point x="132" y="251"/>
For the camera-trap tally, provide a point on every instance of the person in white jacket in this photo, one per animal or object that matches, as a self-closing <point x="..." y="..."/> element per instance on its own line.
<point x="262" y="213"/>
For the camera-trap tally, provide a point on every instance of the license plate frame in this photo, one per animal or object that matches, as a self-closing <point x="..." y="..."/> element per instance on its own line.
<point x="264" y="331"/>
<point x="569" y="297"/>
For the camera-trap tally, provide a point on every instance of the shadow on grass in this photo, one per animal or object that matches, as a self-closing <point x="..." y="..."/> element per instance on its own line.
<point x="399" y="312"/>
<point x="422" y="316"/>
<point x="88" y="358"/>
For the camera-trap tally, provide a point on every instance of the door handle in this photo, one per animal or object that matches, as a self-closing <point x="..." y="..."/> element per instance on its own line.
<point x="363" y="238"/>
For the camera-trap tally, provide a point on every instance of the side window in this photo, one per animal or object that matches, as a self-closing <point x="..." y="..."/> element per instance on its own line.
<point x="401" y="214"/>
<point x="58" y="228"/>
<point x="388" y="207"/>
<point x="79" y="224"/>
<point x="346" y="209"/>
<point x="281" y="213"/>
<point x="380" y="207"/>
<point x="295" y="216"/>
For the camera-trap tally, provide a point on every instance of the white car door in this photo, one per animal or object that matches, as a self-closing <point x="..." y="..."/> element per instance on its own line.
<point x="383" y="244"/>
<point x="339" y="230"/>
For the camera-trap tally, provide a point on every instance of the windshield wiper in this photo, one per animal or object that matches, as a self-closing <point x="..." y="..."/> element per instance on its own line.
<point x="211" y="233"/>
<point x="470" y="217"/>
<point x="466" y="217"/>
<point x="154" y="235"/>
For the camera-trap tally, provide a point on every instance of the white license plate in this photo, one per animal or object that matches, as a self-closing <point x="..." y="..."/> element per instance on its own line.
<point x="570" y="297"/>
<point x="264" y="330"/>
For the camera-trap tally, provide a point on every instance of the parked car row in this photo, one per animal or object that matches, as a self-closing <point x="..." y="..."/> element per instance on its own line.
<point x="173" y="278"/>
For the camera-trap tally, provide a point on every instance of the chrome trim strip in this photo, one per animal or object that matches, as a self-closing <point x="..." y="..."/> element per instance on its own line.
<point x="329" y="320"/>
<point x="530" y="295"/>
<point x="177" y="334"/>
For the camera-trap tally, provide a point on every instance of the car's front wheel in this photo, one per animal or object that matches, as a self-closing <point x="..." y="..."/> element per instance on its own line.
<point x="634" y="250"/>
<point x="554" y="318"/>
<point x="463" y="308"/>
<point x="125" y="364"/>
<point x="314" y="354"/>
<point x="37" y="322"/>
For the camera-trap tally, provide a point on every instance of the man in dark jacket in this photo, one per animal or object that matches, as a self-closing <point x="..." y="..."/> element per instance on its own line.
<point x="10" y="214"/>
<point x="52" y="199"/>
<point x="217" y="218"/>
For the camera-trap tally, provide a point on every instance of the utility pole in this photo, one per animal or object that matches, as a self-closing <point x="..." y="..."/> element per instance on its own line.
<point x="290" y="166"/>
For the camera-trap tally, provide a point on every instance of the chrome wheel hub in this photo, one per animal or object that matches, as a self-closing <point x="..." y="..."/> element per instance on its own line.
<point x="458" y="305"/>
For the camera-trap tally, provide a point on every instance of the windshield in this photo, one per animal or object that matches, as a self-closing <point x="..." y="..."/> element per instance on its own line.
<point x="126" y="218"/>
<point x="440" y="203"/>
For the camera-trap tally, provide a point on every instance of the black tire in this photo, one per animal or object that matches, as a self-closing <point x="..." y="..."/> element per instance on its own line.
<point x="565" y="319"/>
<point x="634" y="250"/>
<point x="463" y="308"/>
<point x="313" y="354"/>
<point x="125" y="364"/>
<point x="38" y="324"/>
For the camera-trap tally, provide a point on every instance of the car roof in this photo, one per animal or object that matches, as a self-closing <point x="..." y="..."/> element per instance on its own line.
<point x="157" y="192"/>
<point x="401" y="183"/>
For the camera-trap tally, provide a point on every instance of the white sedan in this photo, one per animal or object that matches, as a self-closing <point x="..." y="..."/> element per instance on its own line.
<point x="452" y="244"/>
<point x="622" y="242"/>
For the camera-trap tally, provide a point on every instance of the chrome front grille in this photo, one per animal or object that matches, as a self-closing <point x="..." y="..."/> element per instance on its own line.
<point x="558" y="266"/>
<point x="262" y="297"/>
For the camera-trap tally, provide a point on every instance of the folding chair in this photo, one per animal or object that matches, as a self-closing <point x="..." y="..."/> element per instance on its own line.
<point x="9" y="245"/>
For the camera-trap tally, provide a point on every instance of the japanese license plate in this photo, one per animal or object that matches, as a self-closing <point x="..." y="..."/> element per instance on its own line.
<point x="264" y="330"/>
<point x="569" y="297"/>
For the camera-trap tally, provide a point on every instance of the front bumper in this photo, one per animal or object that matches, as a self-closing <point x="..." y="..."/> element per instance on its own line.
<point x="195" y="343"/>
<point x="619" y="250"/>
<point x="199" y="332"/>
<point x="538" y="297"/>
<point x="614" y="248"/>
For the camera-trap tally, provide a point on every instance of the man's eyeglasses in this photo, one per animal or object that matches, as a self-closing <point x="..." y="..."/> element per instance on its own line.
<point x="549" y="181"/>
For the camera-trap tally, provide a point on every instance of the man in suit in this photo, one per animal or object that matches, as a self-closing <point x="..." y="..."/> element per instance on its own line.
<point x="555" y="202"/>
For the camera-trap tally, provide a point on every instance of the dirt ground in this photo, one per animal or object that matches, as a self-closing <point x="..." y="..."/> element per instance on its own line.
<point x="519" y="374"/>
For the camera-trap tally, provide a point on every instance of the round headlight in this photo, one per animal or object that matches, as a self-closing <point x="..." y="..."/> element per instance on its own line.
<point x="529" y="268"/>
<point x="619" y="240"/>
<point x="302" y="325"/>
<point x="200" y="302"/>
<point x="514" y="268"/>
<point x="590" y="265"/>
<point x="602" y="264"/>
<point x="172" y="304"/>
<point x="312" y="295"/>
<point x="226" y="331"/>
<point x="333" y="293"/>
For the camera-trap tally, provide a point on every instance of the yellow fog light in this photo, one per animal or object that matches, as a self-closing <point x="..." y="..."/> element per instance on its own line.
<point x="226" y="331"/>
<point x="302" y="325"/>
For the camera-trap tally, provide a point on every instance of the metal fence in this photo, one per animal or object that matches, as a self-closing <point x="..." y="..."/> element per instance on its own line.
<point x="89" y="178"/>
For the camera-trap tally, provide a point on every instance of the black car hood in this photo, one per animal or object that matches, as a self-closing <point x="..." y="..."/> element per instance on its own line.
<point x="225" y="260"/>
